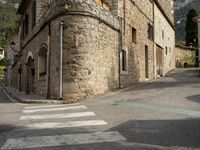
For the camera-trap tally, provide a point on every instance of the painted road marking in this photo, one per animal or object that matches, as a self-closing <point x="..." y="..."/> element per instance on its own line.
<point x="54" y="109"/>
<point x="155" y="108"/>
<point x="69" y="124"/>
<point x="60" y="140"/>
<point x="56" y="116"/>
<point x="163" y="109"/>
<point x="51" y="106"/>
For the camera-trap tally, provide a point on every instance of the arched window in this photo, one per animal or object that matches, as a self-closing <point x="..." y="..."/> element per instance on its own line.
<point x="42" y="65"/>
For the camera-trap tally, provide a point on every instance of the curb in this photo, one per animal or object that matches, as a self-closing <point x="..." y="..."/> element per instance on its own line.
<point x="14" y="98"/>
<point x="169" y="73"/>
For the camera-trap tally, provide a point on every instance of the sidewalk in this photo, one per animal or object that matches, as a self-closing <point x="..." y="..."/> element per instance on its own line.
<point x="22" y="97"/>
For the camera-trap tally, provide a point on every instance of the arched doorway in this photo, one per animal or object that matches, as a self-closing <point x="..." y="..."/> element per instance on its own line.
<point x="30" y="74"/>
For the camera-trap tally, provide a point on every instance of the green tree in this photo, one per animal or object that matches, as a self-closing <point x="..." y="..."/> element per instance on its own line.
<point x="8" y="21"/>
<point x="191" y="37"/>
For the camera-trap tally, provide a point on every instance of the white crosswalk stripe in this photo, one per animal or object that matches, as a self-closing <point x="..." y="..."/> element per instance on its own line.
<point x="54" y="109"/>
<point x="57" y="116"/>
<point x="51" y="106"/>
<point x="41" y="117"/>
<point x="59" y="140"/>
<point x="50" y="125"/>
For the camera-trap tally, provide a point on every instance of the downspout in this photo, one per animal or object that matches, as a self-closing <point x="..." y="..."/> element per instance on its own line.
<point x="120" y="47"/>
<point x="154" y="43"/>
<point x="48" y="61"/>
<point x="61" y="60"/>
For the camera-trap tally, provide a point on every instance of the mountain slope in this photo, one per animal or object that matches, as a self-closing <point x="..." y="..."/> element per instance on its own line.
<point x="181" y="9"/>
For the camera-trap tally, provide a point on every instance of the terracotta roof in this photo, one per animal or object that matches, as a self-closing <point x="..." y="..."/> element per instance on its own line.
<point x="22" y="6"/>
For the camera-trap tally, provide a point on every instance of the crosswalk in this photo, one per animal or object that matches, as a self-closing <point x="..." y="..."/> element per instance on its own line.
<point x="44" y="117"/>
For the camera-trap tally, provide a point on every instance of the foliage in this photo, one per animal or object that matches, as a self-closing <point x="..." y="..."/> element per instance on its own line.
<point x="8" y="21"/>
<point x="181" y="10"/>
<point x="2" y="80"/>
<point x="2" y="62"/>
<point x="191" y="37"/>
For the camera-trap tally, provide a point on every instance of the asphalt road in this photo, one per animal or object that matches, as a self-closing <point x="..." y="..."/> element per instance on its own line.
<point x="163" y="114"/>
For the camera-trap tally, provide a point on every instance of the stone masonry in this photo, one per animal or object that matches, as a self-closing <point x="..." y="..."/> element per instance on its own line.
<point x="94" y="34"/>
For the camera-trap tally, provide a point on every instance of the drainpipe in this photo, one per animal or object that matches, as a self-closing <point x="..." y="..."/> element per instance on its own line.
<point x="61" y="60"/>
<point x="154" y="43"/>
<point x="120" y="47"/>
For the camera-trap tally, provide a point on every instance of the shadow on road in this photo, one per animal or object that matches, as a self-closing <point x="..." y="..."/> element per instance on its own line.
<point x="194" y="98"/>
<point x="140" y="135"/>
<point x="179" y="78"/>
<point x="167" y="133"/>
<point x="3" y="97"/>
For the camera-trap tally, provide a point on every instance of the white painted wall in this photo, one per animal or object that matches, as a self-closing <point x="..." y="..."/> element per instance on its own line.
<point x="164" y="37"/>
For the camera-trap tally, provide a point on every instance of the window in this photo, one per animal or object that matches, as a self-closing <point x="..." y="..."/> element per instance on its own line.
<point x="124" y="60"/>
<point x="163" y="34"/>
<point x="166" y="50"/>
<point x="26" y="21"/>
<point x="43" y="62"/>
<point x="134" y="35"/>
<point x="23" y="29"/>
<point x="25" y="25"/>
<point x="150" y="31"/>
<point x="33" y="14"/>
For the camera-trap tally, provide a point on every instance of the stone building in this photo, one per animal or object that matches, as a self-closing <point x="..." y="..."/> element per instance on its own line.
<point x="12" y="55"/>
<point x="71" y="49"/>
<point x="185" y="56"/>
<point x="164" y="37"/>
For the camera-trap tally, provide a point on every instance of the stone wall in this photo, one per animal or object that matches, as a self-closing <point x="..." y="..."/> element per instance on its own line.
<point x="11" y="74"/>
<point x="138" y="19"/>
<point x="185" y="56"/>
<point x="165" y="38"/>
<point x="168" y="6"/>
<point x="91" y="46"/>
<point x="90" y="57"/>
<point x="33" y="46"/>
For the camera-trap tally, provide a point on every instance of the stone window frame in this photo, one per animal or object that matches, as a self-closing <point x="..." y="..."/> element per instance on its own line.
<point x="42" y="72"/>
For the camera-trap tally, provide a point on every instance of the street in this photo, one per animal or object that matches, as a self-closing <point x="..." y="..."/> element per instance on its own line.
<point x="163" y="114"/>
